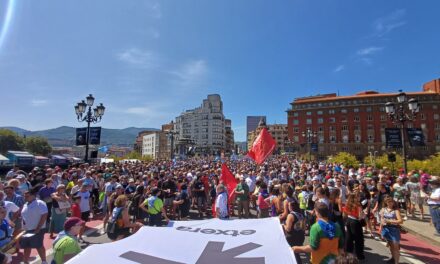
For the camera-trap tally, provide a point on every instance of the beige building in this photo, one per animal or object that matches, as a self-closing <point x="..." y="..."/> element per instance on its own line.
<point x="277" y="131"/>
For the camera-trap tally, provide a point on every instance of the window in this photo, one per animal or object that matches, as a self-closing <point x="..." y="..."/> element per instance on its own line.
<point x="309" y="113"/>
<point x="437" y="126"/>
<point x="381" y="109"/>
<point x="344" y="119"/>
<point x="436" y="116"/>
<point x="357" y="138"/>
<point x="295" y="139"/>
<point x="369" y="109"/>
<point x="345" y="138"/>
<point x="437" y="137"/>
<point x="319" y="112"/>
<point x="356" y="110"/>
<point x="369" y="118"/>
<point x="309" y="121"/>
<point x="356" y="119"/>
<point x="434" y="107"/>
<point x="344" y="128"/>
<point x="370" y="138"/>
<point x="356" y="127"/>
<point x="295" y="114"/>
<point x="422" y="117"/>
<point x="370" y="127"/>
<point x="332" y="128"/>
<point x="332" y="120"/>
<point x="295" y="121"/>
<point x="332" y="139"/>
<point x="345" y="148"/>
<point x="383" y="117"/>
<point x="344" y="111"/>
<point x="409" y="125"/>
<point x="320" y="129"/>
<point x="296" y="129"/>
<point x="383" y="137"/>
<point x="331" y="112"/>
<point x="320" y="120"/>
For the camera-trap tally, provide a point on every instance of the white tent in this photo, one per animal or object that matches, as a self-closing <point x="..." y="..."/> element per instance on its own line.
<point x="257" y="241"/>
<point x="3" y="160"/>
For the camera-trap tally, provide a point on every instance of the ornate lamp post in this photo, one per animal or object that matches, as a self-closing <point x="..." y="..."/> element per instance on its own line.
<point x="309" y="135"/>
<point x="399" y="115"/>
<point x="89" y="117"/>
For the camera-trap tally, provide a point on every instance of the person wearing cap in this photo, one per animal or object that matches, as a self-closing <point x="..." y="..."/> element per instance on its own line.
<point x="434" y="203"/>
<point x="34" y="214"/>
<point x="24" y="185"/>
<point x="131" y="188"/>
<point x="67" y="246"/>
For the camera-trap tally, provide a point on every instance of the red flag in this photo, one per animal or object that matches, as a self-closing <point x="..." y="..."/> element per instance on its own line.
<point x="263" y="146"/>
<point x="229" y="181"/>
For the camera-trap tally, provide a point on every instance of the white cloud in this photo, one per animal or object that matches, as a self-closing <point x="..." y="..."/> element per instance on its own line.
<point x="137" y="57"/>
<point x="388" y="23"/>
<point x="192" y="72"/>
<point x="37" y="102"/>
<point x="369" y="51"/>
<point x="339" y="68"/>
<point x="154" y="10"/>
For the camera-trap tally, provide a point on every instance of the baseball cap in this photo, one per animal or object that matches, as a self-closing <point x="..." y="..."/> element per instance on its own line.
<point x="71" y="222"/>
<point x="118" y="186"/>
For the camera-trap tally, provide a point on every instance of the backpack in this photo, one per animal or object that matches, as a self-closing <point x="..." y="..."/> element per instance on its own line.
<point x="112" y="226"/>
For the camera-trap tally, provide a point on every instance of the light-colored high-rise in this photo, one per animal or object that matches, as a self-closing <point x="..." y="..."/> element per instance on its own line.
<point x="202" y="128"/>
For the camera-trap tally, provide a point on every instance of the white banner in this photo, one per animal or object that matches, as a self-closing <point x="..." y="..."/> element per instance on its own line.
<point x="257" y="241"/>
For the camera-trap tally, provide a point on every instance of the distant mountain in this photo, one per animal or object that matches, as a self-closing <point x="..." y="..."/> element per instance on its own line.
<point x="65" y="136"/>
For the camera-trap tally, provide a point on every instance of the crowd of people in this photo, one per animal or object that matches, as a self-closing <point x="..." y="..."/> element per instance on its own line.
<point x="336" y="206"/>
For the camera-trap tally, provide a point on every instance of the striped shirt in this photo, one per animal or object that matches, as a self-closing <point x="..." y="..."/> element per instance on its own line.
<point x="17" y="199"/>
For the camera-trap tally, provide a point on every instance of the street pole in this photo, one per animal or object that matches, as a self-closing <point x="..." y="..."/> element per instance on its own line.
<point x="402" y="132"/>
<point x="86" y="157"/>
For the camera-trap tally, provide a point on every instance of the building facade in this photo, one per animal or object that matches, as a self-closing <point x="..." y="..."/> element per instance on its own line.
<point x="202" y="129"/>
<point x="278" y="133"/>
<point x="138" y="144"/>
<point x="357" y="123"/>
<point x="252" y="124"/>
<point x="150" y="145"/>
<point x="229" y="135"/>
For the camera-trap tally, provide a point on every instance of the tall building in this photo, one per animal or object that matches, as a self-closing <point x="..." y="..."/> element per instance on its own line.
<point x="202" y="128"/>
<point x="357" y="123"/>
<point x="252" y="124"/>
<point x="150" y="145"/>
<point x="138" y="145"/>
<point x="229" y="135"/>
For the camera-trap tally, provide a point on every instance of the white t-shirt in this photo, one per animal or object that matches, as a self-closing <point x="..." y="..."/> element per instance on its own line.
<point x="222" y="204"/>
<point x="32" y="213"/>
<point x="10" y="208"/>
<point x="84" y="204"/>
<point x="435" y="195"/>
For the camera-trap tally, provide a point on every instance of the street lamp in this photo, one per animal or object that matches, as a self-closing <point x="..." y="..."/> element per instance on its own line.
<point x="309" y="135"/>
<point x="373" y="158"/>
<point x="398" y="115"/>
<point x="89" y="117"/>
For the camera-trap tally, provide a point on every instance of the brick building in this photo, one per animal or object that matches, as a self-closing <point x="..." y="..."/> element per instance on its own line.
<point x="357" y="123"/>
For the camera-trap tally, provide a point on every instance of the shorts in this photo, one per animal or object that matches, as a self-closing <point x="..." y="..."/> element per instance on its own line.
<point x="391" y="233"/>
<point x="168" y="202"/>
<point x="35" y="241"/>
<point x="85" y="216"/>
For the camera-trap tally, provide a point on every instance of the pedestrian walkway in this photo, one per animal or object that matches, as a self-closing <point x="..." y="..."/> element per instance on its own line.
<point x="422" y="228"/>
<point x="92" y="226"/>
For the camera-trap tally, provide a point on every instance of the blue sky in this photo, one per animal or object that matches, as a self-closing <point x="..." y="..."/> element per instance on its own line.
<point x="149" y="60"/>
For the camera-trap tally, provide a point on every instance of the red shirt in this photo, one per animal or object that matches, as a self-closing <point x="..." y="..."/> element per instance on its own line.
<point x="353" y="213"/>
<point x="76" y="211"/>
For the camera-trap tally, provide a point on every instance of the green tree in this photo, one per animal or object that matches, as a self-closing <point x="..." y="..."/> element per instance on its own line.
<point x="37" y="146"/>
<point x="346" y="159"/>
<point x="9" y="140"/>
